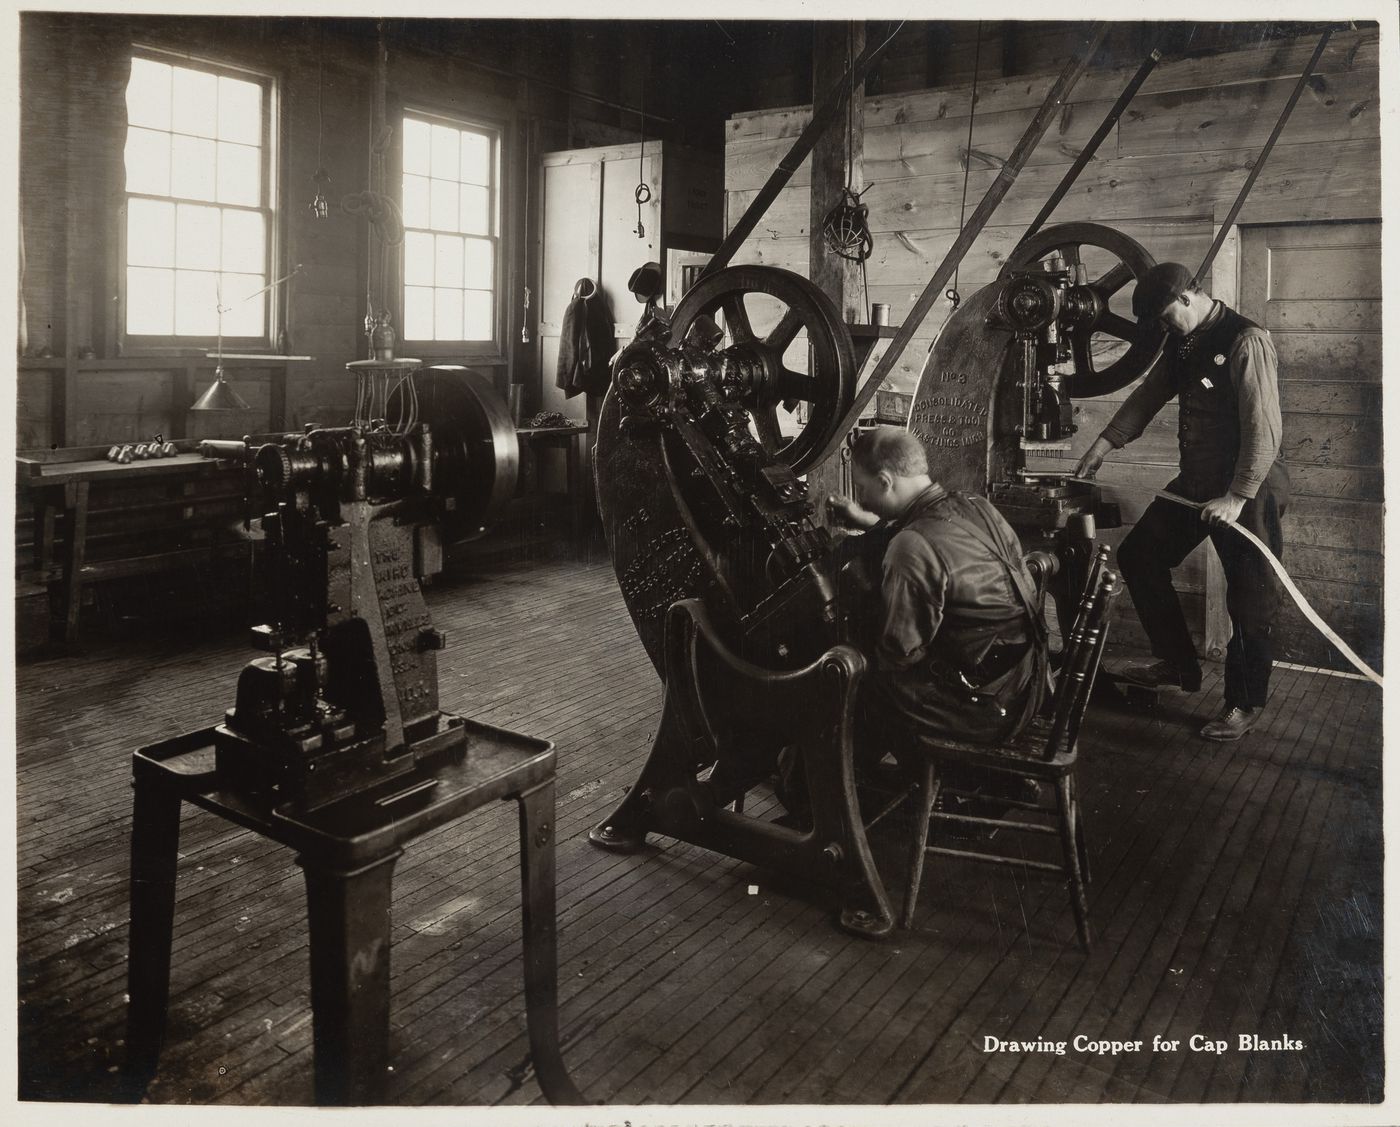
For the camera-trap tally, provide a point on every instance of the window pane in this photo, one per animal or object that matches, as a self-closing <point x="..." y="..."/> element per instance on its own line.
<point x="478" y="316"/>
<point x="244" y="316"/>
<point x="197" y="238"/>
<point x="196" y="311"/>
<point x="147" y="162"/>
<point x="476" y="158"/>
<point x="447" y="319"/>
<point x="415" y="147"/>
<point x="192" y="168"/>
<point x="239" y="172"/>
<point x="245" y="242"/>
<point x="476" y="203"/>
<point x="445" y="154"/>
<point x="477" y="272"/>
<point x="415" y="201"/>
<point x="443" y="216"/>
<point x="148" y="94"/>
<point x="418" y="259"/>
<point x="240" y="111"/>
<point x="150" y="233"/>
<point x="150" y="301"/>
<point x="449" y="261"/>
<point x="195" y="101"/>
<point x="195" y="135"/>
<point x="418" y="313"/>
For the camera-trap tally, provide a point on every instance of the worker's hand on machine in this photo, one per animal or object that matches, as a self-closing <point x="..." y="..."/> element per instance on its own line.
<point x="1093" y="458"/>
<point x="845" y="513"/>
<point x="1223" y="510"/>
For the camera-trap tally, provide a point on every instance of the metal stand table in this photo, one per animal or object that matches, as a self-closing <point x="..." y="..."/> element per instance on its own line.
<point x="347" y="851"/>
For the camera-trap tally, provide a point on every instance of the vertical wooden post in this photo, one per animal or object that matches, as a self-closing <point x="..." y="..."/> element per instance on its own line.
<point x="833" y="46"/>
<point x="836" y="156"/>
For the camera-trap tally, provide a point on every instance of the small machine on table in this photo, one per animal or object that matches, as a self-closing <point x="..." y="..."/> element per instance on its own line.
<point x="336" y="745"/>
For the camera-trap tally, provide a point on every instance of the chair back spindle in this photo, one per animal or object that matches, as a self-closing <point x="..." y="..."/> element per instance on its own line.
<point x="1081" y="661"/>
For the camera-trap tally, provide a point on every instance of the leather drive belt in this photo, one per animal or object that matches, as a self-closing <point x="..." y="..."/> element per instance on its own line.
<point x="1298" y="597"/>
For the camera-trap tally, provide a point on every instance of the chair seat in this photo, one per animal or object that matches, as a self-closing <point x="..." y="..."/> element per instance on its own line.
<point x="1024" y="754"/>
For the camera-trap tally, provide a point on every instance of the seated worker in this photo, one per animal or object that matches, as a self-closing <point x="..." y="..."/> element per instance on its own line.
<point x="959" y="648"/>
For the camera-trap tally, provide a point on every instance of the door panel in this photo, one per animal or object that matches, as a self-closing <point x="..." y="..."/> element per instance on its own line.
<point x="570" y="251"/>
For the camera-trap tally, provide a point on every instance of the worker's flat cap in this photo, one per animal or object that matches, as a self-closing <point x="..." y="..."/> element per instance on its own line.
<point x="1159" y="287"/>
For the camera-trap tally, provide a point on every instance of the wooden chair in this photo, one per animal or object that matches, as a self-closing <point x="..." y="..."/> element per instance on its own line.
<point x="1045" y="752"/>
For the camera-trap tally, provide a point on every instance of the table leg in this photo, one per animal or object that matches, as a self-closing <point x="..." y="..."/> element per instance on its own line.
<point x="44" y="512"/>
<point x="155" y="841"/>
<point x="578" y="485"/>
<point x="541" y="965"/>
<point x="75" y="508"/>
<point x="348" y="914"/>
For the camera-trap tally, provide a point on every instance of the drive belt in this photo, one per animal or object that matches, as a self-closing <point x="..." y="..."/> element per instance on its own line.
<point x="1292" y="588"/>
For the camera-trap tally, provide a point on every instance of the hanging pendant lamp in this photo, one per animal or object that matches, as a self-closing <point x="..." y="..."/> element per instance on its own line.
<point x="220" y="396"/>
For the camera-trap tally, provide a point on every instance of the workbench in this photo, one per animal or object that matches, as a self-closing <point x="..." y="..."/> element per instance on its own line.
<point x="62" y="483"/>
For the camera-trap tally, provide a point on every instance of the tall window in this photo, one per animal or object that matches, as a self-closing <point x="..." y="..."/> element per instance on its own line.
<point x="451" y="248"/>
<point x="198" y="201"/>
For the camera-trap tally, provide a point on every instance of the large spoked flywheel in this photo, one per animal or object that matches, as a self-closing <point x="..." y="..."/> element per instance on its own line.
<point x="1109" y="261"/>
<point x="799" y="336"/>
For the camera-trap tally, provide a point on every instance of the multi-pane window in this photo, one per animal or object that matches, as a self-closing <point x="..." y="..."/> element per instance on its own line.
<point x="198" y="213"/>
<point x="450" y="247"/>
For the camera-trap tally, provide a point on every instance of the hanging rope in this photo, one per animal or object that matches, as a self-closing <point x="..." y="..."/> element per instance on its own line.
<point x="846" y="228"/>
<point x="953" y="295"/>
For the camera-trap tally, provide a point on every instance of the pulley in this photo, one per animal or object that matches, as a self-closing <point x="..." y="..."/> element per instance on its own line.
<point x="476" y="455"/>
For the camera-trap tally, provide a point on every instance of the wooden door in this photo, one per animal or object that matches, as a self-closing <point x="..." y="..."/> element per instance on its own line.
<point x="1317" y="289"/>
<point x="570" y="244"/>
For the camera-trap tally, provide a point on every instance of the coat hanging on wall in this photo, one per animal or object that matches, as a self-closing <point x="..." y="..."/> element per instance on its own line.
<point x="586" y="342"/>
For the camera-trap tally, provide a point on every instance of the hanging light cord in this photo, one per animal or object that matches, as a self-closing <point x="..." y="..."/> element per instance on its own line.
<point x="320" y="95"/>
<point x="643" y="191"/>
<point x="953" y="295"/>
<point x="525" y="233"/>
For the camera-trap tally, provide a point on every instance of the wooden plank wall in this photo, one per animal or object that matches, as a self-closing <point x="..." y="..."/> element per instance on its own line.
<point x="1317" y="289"/>
<point x="1166" y="175"/>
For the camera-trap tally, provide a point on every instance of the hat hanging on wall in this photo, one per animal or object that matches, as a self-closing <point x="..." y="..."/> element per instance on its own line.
<point x="647" y="282"/>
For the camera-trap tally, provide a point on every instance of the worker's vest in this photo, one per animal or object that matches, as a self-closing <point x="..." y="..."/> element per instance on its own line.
<point x="1208" y="431"/>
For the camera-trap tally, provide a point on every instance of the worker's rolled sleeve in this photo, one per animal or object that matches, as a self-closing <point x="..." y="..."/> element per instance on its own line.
<point x="1254" y="368"/>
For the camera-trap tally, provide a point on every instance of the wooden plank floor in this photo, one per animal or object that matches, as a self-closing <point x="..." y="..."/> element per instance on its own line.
<point x="1237" y="890"/>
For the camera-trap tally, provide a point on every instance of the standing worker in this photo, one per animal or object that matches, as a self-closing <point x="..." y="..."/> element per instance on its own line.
<point x="1223" y="371"/>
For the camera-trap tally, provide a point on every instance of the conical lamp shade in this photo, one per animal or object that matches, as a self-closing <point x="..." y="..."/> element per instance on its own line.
<point x="220" y="397"/>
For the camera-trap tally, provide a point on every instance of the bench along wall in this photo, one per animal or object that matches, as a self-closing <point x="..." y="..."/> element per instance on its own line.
<point x="1166" y="175"/>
